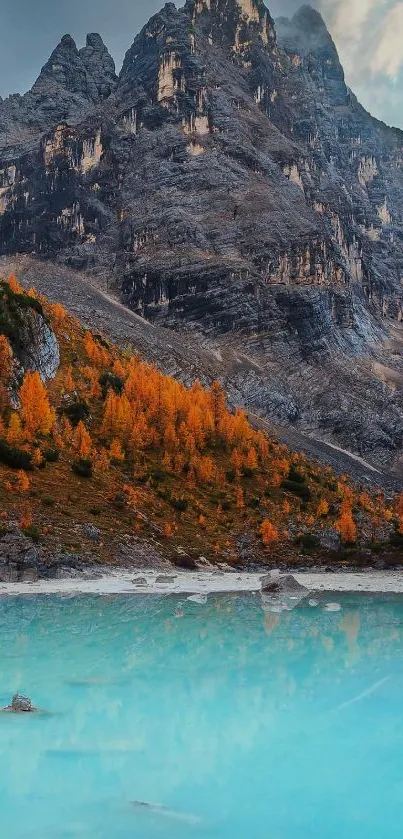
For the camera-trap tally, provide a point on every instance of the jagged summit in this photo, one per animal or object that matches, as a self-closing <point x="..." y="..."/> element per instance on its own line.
<point x="309" y="18"/>
<point x="306" y="30"/>
<point x="65" y="69"/>
<point x="99" y="64"/>
<point x="233" y="22"/>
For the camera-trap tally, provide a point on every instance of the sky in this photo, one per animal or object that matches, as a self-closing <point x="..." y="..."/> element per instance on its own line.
<point x="368" y="34"/>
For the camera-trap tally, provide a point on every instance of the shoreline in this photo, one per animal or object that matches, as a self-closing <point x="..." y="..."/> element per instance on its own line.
<point x="205" y="582"/>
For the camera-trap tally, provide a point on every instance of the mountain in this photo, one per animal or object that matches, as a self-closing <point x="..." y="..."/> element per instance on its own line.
<point x="231" y="188"/>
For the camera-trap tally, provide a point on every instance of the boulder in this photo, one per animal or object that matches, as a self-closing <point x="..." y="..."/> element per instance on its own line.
<point x="91" y="532"/>
<point x="20" y="705"/>
<point x="19" y="558"/>
<point x="281" y="593"/>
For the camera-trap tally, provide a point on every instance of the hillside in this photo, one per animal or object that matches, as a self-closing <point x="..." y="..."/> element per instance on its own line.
<point x="102" y="457"/>
<point x="230" y="188"/>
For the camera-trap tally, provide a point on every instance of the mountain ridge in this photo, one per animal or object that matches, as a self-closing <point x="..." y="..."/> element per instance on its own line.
<point x="231" y="188"/>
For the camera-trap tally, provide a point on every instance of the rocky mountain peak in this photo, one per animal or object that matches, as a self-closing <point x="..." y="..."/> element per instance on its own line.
<point x="307" y="31"/>
<point x="235" y="22"/>
<point x="308" y="42"/>
<point x="65" y="69"/>
<point x="99" y="64"/>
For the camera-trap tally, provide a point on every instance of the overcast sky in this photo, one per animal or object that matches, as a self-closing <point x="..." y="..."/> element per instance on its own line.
<point x="368" y="34"/>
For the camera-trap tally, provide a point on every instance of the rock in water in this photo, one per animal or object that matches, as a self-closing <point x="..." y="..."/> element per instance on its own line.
<point x="21" y="705"/>
<point x="281" y="593"/>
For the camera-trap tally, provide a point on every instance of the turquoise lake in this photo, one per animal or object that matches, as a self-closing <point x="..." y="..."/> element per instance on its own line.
<point x="243" y="724"/>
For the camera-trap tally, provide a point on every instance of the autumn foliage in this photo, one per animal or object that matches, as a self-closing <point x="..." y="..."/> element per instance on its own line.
<point x="37" y="415"/>
<point x="156" y="451"/>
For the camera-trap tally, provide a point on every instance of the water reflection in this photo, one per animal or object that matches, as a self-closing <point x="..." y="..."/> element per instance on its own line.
<point x="187" y="712"/>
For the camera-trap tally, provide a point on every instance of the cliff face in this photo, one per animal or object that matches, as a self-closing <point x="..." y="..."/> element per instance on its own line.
<point x="227" y="182"/>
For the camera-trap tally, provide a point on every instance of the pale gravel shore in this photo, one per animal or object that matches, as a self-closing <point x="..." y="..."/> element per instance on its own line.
<point x="188" y="582"/>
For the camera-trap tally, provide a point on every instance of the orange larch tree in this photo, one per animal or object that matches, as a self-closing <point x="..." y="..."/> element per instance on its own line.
<point x="36" y="412"/>
<point x="268" y="533"/>
<point x="14" y="284"/>
<point x="23" y="483"/>
<point x="347" y="526"/>
<point x="82" y="443"/>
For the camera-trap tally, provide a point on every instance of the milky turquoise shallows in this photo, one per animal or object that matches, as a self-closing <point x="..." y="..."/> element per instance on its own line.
<point x="246" y="724"/>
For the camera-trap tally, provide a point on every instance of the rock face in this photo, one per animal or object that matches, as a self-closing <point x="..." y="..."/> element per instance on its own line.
<point x="19" y="559"/>
<point x="33" y="342"/>
<point x="231" y="186"/>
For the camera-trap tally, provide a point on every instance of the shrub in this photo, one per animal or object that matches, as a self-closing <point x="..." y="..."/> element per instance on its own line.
<point x="180" y="504"/>
<point x="230" y="476"/>
<point x="119" y="501"/>
<point x="396" y="539"/>
<point x="95" y="511"/>
<point x="82" y="468"/>
<point x="295" y="476"/>
<point x="109" y="380"/>
<point x="100" y="340"/>
<point x="307" y="541"/>
<point x="14" y="457"/>
<point x="158" y="475"/>
<point x="48" y="501"/>
<point x="247" y="472"/>
<point x="32" y="532"/>
<point x="295" y="488"/>
<point x="51" y="455"/>
<point x="77" y="411"/>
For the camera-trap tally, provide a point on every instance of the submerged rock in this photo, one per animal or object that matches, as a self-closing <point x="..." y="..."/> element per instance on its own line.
<point x="198" y="598"/>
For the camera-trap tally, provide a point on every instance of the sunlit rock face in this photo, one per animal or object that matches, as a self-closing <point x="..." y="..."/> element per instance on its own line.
<point x="227" y="181"/>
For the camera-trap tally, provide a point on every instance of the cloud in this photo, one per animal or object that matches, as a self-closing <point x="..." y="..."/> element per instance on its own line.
<point x="387" y="59"/>
<point x="349" y="16"/>
<point x="368" y="35"/>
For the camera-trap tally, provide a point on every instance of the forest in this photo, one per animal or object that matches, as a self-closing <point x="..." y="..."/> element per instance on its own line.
<point x="113" y="441"/>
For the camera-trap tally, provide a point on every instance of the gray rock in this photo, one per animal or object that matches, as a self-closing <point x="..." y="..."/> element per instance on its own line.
<point x="19" y="559"/>
<point x="163" y="578"/>
<point x="20" y="705"/>
<point x="92" y="532"/>
<point x="286" y="584"/>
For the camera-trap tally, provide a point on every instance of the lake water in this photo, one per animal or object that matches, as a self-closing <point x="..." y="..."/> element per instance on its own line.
<point x="242" y="723"/>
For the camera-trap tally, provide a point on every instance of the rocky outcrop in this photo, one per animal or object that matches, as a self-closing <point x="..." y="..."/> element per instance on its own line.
<point x="33" y="342"/>
<point x="19" y="557"/>
<point x="232" y="188"/>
